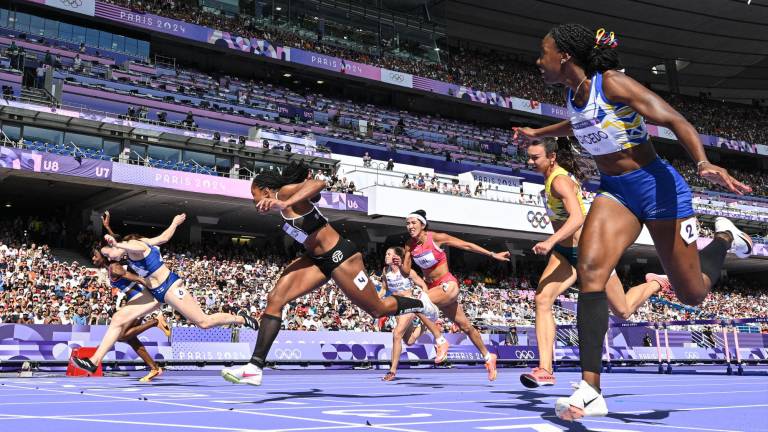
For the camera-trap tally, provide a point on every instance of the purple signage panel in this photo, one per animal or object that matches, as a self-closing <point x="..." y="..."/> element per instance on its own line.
<point x="254" y="46"/>
<point x="55" y="342"/>
<point x="554" y="111"/>
<point x="25" y="160"/>
<point x="335" y="64"/>
<point x="179" y="180"/>
<point x="152" y="22"/>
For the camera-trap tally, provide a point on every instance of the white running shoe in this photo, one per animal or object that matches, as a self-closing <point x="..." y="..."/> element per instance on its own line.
<point x="742" y="242"/>
<point x="430" y="309"/>
<point x="584" y="402"/>
<point x="246" y="374"/>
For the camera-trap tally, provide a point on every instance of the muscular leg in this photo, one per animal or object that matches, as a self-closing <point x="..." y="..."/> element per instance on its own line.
<point x="558" y="276"/>
<point x="609" y="230"/>
<point x="141" y="350"/>
<point x="139" y="306"/>
<point x="351" y="279"/>
<point x="398" y="334"/>
<point x="137" y="329"/>
<point x="185" y="303"/>
<point x="690" y="276"/>
<point x="625" y="304"/>
<point x="455" y="313"/>
<point x="299" y="278"/>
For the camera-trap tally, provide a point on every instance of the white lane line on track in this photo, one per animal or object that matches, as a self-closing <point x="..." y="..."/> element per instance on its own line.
<point x="317" y="420"/>
<point x="633" y="425"/>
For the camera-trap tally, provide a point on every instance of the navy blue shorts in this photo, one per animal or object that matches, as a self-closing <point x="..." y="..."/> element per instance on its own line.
<point x="654" y="192"/>
<point x="159" y="292"/>
<point x="569" y="253"/>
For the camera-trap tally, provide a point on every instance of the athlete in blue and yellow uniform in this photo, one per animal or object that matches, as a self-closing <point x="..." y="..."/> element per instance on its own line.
<point x="607" y="111"/>
<point x="566" y="210"/>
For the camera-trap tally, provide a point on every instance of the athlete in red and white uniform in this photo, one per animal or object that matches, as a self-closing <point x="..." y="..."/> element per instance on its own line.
<point x="409" y="326"/>
<point x="425" y="248"/>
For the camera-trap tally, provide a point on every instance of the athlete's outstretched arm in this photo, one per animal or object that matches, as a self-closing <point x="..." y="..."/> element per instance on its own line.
<point x="118" y="249"/>
<point x="618" y="87"/>
<point x="166" y="235"/>
<point x="451" y="241"/>
<point x="118" y="270"/>
<point x="299" y="192"/>
<point x="105" y="223"/>
<point x="561" y="129"/>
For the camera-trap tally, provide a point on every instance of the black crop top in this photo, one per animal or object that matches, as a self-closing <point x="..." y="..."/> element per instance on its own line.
<point x="305" y="225"/>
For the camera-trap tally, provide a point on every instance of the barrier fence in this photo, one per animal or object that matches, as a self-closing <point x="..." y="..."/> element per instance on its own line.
<point x="665" y="345"/>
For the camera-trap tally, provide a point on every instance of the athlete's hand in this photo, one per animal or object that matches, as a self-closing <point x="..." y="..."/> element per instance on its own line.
<point x="524" y="135"/>
<point x="105" y="219"/>
<point x="720" y="176"/>
<point x="179" y="219"/>
<point x="110" y="240"/>
<point x="396" y="261"/>
<point x="268" y="204"/>
<point x="501" y="256"/>
<point x="543" y="248"/>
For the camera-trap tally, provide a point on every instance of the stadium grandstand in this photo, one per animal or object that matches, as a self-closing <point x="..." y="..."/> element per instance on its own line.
<point x="171" y="119"/>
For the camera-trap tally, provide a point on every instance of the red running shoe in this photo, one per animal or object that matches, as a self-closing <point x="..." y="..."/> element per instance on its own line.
<point x="537" y="377"/>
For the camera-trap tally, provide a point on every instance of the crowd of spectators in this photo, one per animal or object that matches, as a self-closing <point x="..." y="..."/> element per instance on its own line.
<point x="36" y="288"/>
<point x="486" y="70"/>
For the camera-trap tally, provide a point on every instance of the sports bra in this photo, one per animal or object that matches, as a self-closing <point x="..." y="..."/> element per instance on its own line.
<point x="427" y="255"/>
<point x="299" y="228"/>
<point x="555" y="207"/>
<point x="603" y="127"/>
<point x="149" y="264"/>
<point x="396" y="282"/>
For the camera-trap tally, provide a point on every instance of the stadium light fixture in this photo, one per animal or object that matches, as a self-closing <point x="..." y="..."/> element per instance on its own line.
<point x="287" y="75"/>
<point x="320" y="81"/>
<point x="437" y="48"/>
<point x="8" y="205"/>
<point x="278" y="8"/>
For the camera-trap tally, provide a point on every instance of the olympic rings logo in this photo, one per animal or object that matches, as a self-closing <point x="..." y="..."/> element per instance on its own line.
<point x="337" y="257"/>
<point x="538" y="219"/>
<point x="394" y="76"/>
<point x="288" y="354"/>
<point x="525" y="355"/>
<point x="72" y="3"/>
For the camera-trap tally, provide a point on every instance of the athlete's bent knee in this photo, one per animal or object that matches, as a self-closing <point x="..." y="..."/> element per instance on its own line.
<point x="692" y="298"/>
<point x="544" y="300"/>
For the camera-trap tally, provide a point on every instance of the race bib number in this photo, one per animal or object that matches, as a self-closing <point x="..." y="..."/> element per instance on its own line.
<point x="180" y="293"/>
<point x="294" y="232"/>
<point x="689" y="230"/>
<point x="361" y="280"/>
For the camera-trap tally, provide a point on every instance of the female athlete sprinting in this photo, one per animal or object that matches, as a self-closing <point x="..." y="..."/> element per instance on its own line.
<point x="396" y="283"/>
<point x="328" y="256"/>
<point x="163" y="286"/>
<point x="566" y="211"/>
<point x="425" y="248"/>
<point x="607" y="111"/>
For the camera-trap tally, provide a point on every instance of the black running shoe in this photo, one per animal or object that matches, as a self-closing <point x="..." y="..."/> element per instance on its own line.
<point x="84" y="364"/>
<point x="250" y="321"/>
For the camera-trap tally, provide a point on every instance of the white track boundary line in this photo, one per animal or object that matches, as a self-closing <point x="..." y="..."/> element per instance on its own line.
<point x="227" y="410"/>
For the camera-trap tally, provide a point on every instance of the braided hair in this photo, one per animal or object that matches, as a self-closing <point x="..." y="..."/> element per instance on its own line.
<point x="295" y="172"/>
<point x="564" y="154"/>
<point x="593" y="54"/>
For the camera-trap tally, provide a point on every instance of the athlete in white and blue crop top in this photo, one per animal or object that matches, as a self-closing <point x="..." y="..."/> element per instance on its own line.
<point x="328" y="256"/>
<point x="396" y="283"/>
<point x="607" y="111"/>
<point x="163" y="286"/>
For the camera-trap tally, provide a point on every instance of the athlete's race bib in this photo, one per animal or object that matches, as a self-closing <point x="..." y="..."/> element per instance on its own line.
<point x="294" y="232"/>
<point x="425" y="260"/>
